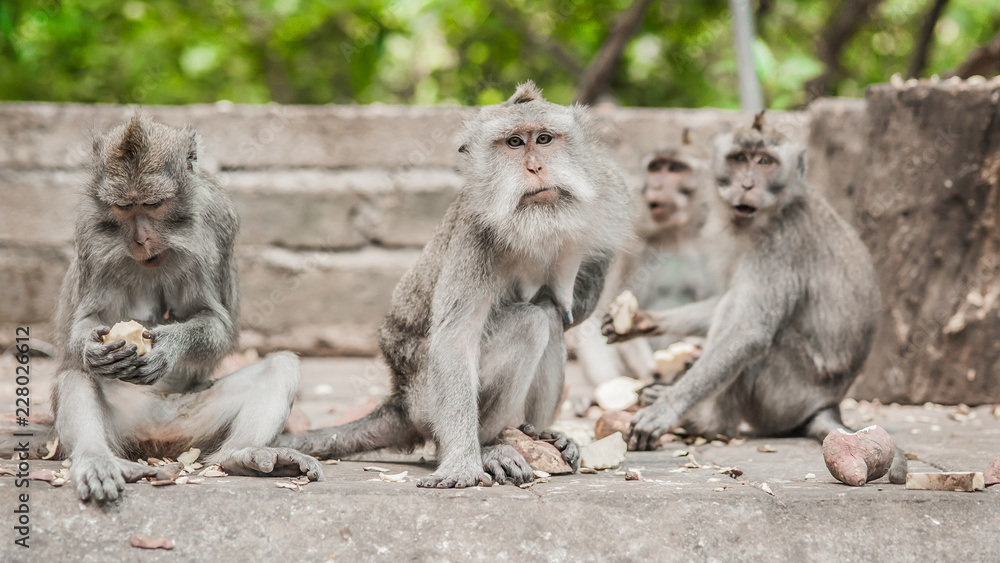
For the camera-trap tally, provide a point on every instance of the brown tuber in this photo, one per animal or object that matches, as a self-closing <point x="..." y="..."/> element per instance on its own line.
<point x="859" y="457"/>
<point x="539" y="455"/>
<point x="611" y="422"/>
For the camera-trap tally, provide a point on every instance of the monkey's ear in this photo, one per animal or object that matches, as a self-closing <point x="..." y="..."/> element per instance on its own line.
<point x="800" y="163"/>
<point x="686" y="136"/>
<point x="758" y="120"/>
<point x="464" y="149"/>
<point x="526" y="92"/>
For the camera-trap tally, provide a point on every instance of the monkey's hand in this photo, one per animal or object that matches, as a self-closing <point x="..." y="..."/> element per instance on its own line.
<point x="103" y="477"/>
<point x="154" y="365"/>
<point x="652" y="393"/>
<point x="114" y="360"/>
<point x="569" y="449"/>
<point x="504" y="464"/>
<point x="270" y="462"/>
<point x="458" y="476"/>
<point x="642" y="325"/>
<point x="650" y="423"/>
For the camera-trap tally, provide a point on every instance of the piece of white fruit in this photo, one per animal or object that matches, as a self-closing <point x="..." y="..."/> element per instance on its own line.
<point x="623" y="310"/>
<point x="131" y="333"/>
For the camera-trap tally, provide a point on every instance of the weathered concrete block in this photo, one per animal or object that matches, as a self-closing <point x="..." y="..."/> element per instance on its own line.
<point x="38" y="205"/>
<point x="930" y="215"/>
<point x="837" y="129"/>
<point x="30" y="276"/>
<point x="283" y="289"/>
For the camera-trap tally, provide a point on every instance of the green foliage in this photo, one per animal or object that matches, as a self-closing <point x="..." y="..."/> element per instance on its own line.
<point x="443" y="51"/>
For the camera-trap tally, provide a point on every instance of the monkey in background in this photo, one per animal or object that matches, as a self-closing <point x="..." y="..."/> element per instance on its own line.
<point x="154" y="243"/>
<point x="663" y="265"/>
<point x="474" y="334"/>
<point x="794" y="324"/>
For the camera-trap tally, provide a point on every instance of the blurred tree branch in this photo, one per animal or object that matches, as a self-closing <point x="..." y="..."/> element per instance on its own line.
<point x="515" y="20"/>
<point x="983" y="60"/>
<point x="597" y="77"/>
<point x="925" y="38"/>
<point x="840" y="28"/>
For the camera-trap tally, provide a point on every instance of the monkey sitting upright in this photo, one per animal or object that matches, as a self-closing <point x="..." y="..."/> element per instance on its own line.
<point x="664" y="265"/>
<point x="154" y="243"/>
<point x="795" y="322"/>
<point x="474" y="335"/>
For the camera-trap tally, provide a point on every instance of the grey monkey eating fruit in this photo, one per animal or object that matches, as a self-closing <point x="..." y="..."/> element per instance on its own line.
<point x="664" y="265"/>
<point x="474" y="335"/>
<point x="154" y="243"/>
<point x="794" y="324"/>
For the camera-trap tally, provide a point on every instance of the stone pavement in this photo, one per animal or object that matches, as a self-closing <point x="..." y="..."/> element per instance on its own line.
<point x="675" y="513"/>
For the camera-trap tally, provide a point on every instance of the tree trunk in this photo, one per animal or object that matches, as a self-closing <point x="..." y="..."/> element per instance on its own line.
<point x="597" y="77"/>
<point x="840" y="28"/>
<point x="928" y="205"/>
<point x="925" y="39"/>
<point x="982" y="61"/>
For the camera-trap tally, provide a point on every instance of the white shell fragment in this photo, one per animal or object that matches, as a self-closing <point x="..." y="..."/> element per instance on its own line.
<point x="131" y="333"/>
<point x="617" y="394"/>
<point x="674" y="358"/>
<point x="394" y="478"/>
<point x="605" y="453"/>
<point x="189" y="457"/>
<point x="623" y="310"/>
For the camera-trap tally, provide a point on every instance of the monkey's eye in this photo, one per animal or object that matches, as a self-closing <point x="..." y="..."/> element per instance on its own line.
<point x="723" y="181"/>
<point x="153" y="205"/>
<point x="678" y="167"/>
<point x="515" y="142"/>
<point x="765" y="160"/>
<point x="741" y="158"/>
<point x="655" y="166"/>
<point x="686" y="192"/>
<point x="544" y="139"/>
<point x="125" y="207"/>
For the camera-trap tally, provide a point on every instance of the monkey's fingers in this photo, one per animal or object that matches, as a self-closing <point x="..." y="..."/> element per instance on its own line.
<point x="97" y="335"/>
<point x="305" y="464"/>
<point x="104" y="356"/>
<point x="529" y="430"/>
<point x="134" y="472"/>
<point x="607" y="326"/>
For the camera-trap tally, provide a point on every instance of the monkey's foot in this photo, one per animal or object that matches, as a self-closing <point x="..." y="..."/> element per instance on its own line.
<point x="504" y="463"/>
<point x="569" y="449"/>
<point x="271" y="462"/>
<point x="652" y="393"/>
<point x="457" y="476"/>
<point x="103" y="477"/>
<point x="649" y="424"/>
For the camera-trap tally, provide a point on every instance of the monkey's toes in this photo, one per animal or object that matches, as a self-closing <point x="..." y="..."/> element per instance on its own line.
<point x="446" y="480"/>
<point x="98" y="478"/>
<point x="504" y="463"/>
<point x="299" y="462"/>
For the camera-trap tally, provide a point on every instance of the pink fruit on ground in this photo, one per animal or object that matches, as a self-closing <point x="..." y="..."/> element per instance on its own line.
<point x="855" y="458"/>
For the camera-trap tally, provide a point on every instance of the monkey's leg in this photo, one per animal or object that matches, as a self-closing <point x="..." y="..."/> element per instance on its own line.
<point x="85" y="421"/>
<point x="546" y="393"/>
<point x="253" y="404"/>
<point x="693" y="319"/>
<point x="517" y="338"/>
<point x="828" y="420"/>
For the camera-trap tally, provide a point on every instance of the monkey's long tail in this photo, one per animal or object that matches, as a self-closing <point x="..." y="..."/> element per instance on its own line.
<point x="30" y="439"/>
<point x="387" y="426"/>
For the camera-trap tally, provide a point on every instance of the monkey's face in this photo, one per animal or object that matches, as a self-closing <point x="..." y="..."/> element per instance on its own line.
<point x="668" y="191"/>
<point x="142" y="226"/>
<point x="756" y="174"/>
<point x="533" y="152"/>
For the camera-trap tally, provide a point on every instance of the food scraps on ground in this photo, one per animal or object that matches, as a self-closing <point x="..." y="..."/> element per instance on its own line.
<point x="962" y="481"/>
<point x="605" y="453"/>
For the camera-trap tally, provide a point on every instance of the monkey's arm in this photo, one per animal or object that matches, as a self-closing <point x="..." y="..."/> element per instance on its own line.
<point x="588" y="286"/>
<point x="746" y="320"/>
<point x="692" y="319"/>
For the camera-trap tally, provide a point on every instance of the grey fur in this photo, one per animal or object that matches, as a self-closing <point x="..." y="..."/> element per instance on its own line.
<point x="793" y="327"/>
<point x="470" y="348"/>
<point x="112" y="405"/>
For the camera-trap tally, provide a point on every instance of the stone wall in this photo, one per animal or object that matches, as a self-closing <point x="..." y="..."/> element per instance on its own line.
<point x="335" y="202"/>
